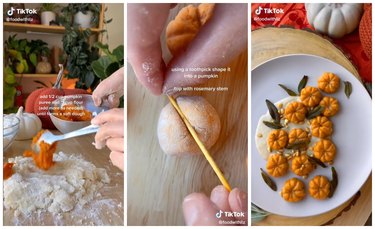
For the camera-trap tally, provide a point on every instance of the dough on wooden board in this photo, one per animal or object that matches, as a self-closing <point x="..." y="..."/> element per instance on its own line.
<point x="71" y="182"/>
<point x="174" y="137"/>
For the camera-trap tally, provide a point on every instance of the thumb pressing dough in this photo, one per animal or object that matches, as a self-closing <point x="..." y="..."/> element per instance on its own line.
<point x="175" y="138"/>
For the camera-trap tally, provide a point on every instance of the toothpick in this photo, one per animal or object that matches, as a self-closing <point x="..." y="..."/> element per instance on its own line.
<point x="200" y="144"/>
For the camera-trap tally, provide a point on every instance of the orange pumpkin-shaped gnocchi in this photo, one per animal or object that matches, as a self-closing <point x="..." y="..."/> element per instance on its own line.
<point x="183" y="29"/>
<point x="297" y="135"/>
<point x="295" y="112"/>
<point x="310" y="96"/>
<point x="321" y="127"/>
<point x="319" y="187"/>
<point x="277" y="139"/>
<point x="301" y="165"/>
<point x="293" y="190"/>
<point x="325" y="150"/>
<point x="331" y="106"/>
<point x="277" y="165"/>
<point x="329" y="82"/>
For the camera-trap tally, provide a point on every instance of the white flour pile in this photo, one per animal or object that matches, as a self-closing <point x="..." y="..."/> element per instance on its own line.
<point x="71" y="183"/>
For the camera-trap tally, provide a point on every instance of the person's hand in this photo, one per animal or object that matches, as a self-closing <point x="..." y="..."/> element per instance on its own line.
<point x="109" y="91"/>
<point x="111" y="134"/>
<point x="111" y="122"/>
<point x="201" y="210"/>
<point x="217" y="43"/>
<point x="145" y="25"/>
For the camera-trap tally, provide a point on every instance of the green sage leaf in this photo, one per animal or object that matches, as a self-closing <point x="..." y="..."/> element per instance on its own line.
<point x="333" y="182"/>
<point x="274" y="112"/>
<point x="318" y="110"/>
<point x="290" y="92"/>
<point x="348" y="88"/>
<point x="302" y="83"/>
<point x="273" y="125"/>
<point x="267" y="179"/>
<point x="316" y="161"/>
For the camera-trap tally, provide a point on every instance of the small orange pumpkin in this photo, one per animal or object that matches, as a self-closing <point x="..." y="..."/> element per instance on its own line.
<point x="293" y="190"/>
<point x="277" y="139"/>
<point x="331" y="106"/>
<point x="325" y="150"/>
<point x="186" y="25"/>
<point x="329" y="82"/>
<point x="301" y="165"/>
<point x="277" y="165"/>
<point x="295" y="112"/>
<point x="321" y="127"/>
<point x="310" y="96"/>
<point x="319" y="187"/>
<point x="298" y="135"/>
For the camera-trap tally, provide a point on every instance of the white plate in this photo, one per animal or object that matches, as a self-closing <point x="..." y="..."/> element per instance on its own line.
<point x="352" y="133"/>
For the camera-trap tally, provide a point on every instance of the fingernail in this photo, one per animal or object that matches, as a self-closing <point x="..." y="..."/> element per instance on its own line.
<point x="218" y="192"/>
<point x="97" y="101"/>
<point x="241" y="198"/>
<point x="191" y="210"/>
<point x="94" y="121"/>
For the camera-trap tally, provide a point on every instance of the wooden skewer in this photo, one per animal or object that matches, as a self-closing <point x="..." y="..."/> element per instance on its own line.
<point x="200" y="144"/>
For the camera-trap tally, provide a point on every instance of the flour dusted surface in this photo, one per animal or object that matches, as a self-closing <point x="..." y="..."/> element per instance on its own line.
<point x="70" y="183"/>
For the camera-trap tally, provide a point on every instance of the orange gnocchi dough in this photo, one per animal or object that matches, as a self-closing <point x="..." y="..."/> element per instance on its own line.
<point x="301" y="165"/>
<point x="321" y="127"/>
<point x="331" y="106"/>
<point x="277" y="165"/>
<point x="310" y="96"/>
<point x="186" y="25"/>
<point x="277" y="139"/>
<point x="319" y="187"/>
<point x="293" y="190"/>
<point x="329" y="82"/>
<point x="298" y="135"/>
<point x="325" y="150"/>
<point x="295" y="112"/>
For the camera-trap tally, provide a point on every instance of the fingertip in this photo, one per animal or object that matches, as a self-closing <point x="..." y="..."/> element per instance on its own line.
<point x="198" y="210"/>
<point x="97" y="100"/>
<point x="238" y="200"/>
<point x="117" y="159"/>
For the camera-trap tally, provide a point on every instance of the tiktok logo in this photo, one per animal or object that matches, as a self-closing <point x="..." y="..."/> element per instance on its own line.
<point x="259" y="10"/>
<point x="218" y="215"/>
<point x="11" y="11"/>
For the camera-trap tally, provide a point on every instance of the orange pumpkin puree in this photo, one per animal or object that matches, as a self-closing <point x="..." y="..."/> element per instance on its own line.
<point x="7" y="170"/>
<point x="72" y="113"/>
<point x="43" y="159"/>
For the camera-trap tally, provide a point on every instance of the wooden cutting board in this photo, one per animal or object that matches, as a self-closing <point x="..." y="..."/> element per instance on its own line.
<point x="157" y="183"/>
<point x="269" y="43"/>
<point x="111" y="207"/>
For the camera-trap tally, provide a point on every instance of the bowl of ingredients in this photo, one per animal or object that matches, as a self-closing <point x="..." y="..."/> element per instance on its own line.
<point x="72" y="112"/>
<point x="10" y="129"/>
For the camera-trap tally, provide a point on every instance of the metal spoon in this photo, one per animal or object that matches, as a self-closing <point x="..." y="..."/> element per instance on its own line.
<point x="50" y="138"/>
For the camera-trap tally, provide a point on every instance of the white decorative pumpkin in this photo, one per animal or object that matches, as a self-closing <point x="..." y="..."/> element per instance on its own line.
<point x="30" y="125"/>
<point x="334" y="19"/>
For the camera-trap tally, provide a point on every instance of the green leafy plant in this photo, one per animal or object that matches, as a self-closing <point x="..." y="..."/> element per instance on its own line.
<point x="80" y="54"/>
<point x="48" y="7"/>
<point x="9" y="90"/>
<point x="108" y="63"/>
<point x="73" y="8"/>
<point x="22" y="55"/>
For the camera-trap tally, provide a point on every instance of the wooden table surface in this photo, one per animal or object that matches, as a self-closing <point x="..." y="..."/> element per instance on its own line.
<point x="158" y="183"/>
<point x="102" y="214"/>
<point x="269" y="43"/>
